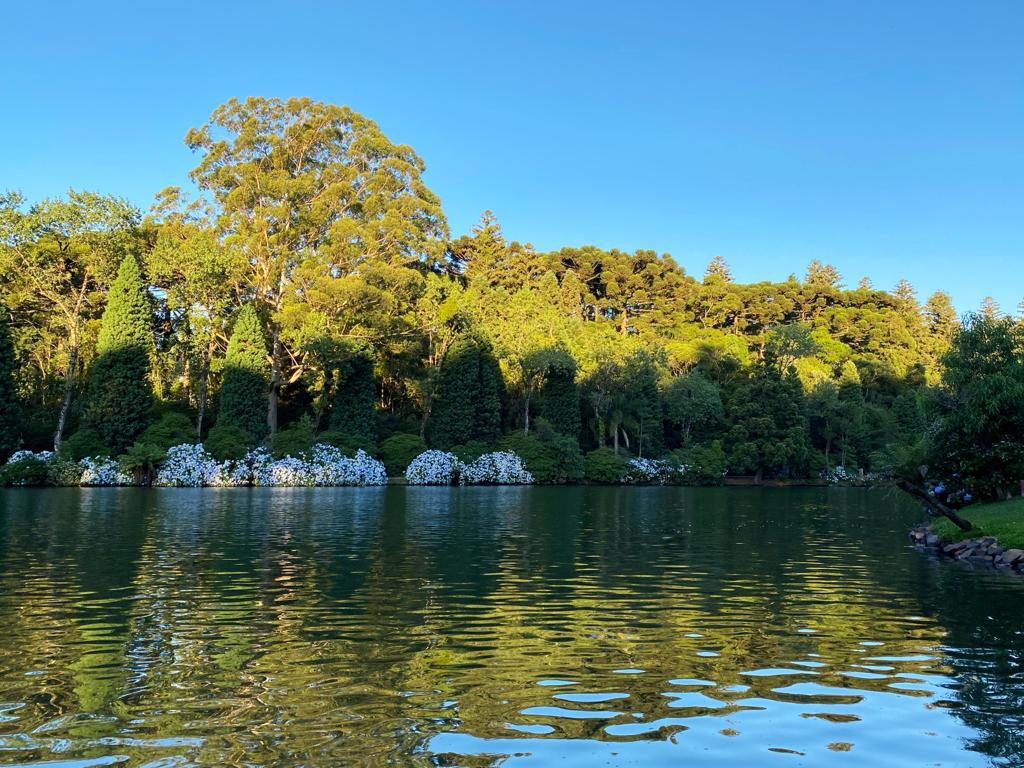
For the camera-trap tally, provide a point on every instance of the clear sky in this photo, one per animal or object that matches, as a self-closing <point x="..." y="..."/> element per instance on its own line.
<point x="885" y="137"/>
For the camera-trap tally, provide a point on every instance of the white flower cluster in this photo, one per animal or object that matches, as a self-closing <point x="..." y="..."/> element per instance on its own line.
<point x="191" y="465"/>
<point x="652" y="472"/>
<point x="101" y="470"/>
<point x="497" y="468"/>
<point x="434" y="468"/>
<point x="20" y="455"/>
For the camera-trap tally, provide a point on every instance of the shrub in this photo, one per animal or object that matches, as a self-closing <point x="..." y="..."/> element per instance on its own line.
<point x="142" y="460"/>
<point x="103" y="471"/>
<point x="434" y="468"/>
<point x="497" y="468"/>
<point x="551" y="458"/>
<point x="228" y="442"/>
<point x="324" y="466"/>
<point x="398" y="451"/>
<point x="169" y="430"/>
<point x="471" y="451"/>
<point x="705" y="465"/>
<point x="346" y="442"/>
<point x="26" y="468"/>
<point x="652" y="472"/>
<point x="295" y="440"/>
<point x="85" y="442"/>
<point x="191" y="465"/>
<point x="604" y="466"/>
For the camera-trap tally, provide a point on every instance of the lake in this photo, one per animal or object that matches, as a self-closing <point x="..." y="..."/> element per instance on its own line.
<point x="481" y="626"/>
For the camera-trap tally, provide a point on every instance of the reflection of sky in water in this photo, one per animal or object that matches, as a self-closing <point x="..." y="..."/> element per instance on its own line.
<point x="564" y="626"/>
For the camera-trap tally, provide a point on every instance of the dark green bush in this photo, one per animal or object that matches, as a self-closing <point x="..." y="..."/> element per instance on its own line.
<point x="169" y="430"/>
<point x="143" y="459"/>
<point x="296" y="440"/>
<point x="84" y="443"/>
<point x="552" y="458"/>
<point x="705" y="464"/>
<point x="346" y="442"/>
<point x="471" y="451"/>
<point x="604" y="466"/>
<point x="226" y="441"/>
<point x="398" y="450"/>
<point x="29" y="470"/>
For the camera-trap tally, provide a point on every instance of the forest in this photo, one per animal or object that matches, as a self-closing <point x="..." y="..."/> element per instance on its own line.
<point x="309" y="290"/>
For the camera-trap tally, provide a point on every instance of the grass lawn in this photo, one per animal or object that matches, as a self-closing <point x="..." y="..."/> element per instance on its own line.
<point x="1002" y="519"/>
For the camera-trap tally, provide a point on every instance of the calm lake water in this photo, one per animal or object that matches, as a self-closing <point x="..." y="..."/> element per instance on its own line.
<point x="511" y="626"/>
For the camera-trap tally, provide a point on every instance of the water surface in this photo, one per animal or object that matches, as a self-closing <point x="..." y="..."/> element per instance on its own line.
<point x="511" y="626"/>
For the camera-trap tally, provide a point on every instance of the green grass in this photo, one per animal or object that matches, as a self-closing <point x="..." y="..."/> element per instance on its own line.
<point x="1002" y="519"/>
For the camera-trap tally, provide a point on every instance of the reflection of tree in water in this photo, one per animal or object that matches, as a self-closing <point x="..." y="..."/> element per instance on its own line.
<point x="983" y="613"/>
<point x="323" y="626"/>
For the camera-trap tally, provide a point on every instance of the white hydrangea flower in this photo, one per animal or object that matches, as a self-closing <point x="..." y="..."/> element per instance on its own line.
<point x="190" y="466"/>
<point x="652" y="472"/>
<point x="434" y="468"/>
<point x="101" y="470"/>
<point x="497" y="468"/>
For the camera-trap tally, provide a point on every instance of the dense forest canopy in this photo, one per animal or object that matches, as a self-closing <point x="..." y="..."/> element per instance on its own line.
<point x="312" y="288"/>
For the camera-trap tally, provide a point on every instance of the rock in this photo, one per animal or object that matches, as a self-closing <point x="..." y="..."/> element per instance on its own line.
<point x="931" y="540"/>
<point x="1012" y="556"/>
<point x="953" y="548"/>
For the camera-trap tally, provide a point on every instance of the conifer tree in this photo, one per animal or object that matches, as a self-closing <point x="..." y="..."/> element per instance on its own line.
<point x="120" y="394"/>
<point x="10" y="412"/>
<point x="560" y="398"/>
<point x="717" y="270"/>
<point x="355" y="394"/>
<point x="469" y="395"/>
<point x="244" y="386"/>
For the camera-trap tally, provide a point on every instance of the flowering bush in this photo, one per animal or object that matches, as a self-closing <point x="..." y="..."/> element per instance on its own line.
<point x="43" y="468"/>
<point x="497" y="468"/>
<point x="101" y="470"/>
<point x="652" y="472"/>
<point x="190" y="465"/>
<point x="434" y="468"/>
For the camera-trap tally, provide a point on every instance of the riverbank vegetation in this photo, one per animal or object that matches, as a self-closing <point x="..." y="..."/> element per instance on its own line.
<point x="311" y="293"/>
<point x="1002" y="519"/>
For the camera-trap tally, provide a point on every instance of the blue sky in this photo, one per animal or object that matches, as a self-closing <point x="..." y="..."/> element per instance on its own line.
<point x="884" y="137"/>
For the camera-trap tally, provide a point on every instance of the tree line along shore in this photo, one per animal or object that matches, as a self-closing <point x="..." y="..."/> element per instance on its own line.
<point x="310" y="292"/>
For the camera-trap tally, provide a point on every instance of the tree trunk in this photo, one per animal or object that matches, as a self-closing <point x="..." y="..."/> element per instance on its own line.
<point x="65" y="406"/>
<point x="759" y="475"/>
<point x="828" y="450"/>
<point x="934" y="504"/>
<point x="526" y="414"/>
<point x="615" y="438"/>
<point x="275" y="382"/>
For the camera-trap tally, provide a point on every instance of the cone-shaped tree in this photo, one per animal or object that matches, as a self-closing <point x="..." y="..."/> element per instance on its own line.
<point x="120" y="395"/>
<point x="355" y="394"/>
<point x="468" y="404"/>
<point x="9" y="410"/>
<point x="245" y="386"/>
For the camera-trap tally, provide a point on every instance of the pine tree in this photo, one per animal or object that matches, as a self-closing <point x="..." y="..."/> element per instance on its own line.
<point x="246" y="381"/>
<point x="120" y="394"/>
<point x="990" y="309"/>
<point x="353" y="414"/>
<point x="10" y="412"/>
<point x="469" y="395"/>
<point x="717" y="271"/>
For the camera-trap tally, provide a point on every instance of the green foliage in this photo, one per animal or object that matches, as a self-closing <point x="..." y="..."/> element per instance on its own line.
<point x="551" y="457"/>
<point x="353" y="413"/>
<point x="244" y="386"/>
<point x="604" y="466"/>
<point x="471" y="451"/>
<point x="1002" y="519"/>
<point x="692" y="402"/>
<point x="979" y="413"/>
<point x="399" y="450"/>
<point x="705" y="464"/>
<point x="120" y="396"/>
<point x="30" y="470"/>
<point x="169" y="430"/>
<point x="226" y="441"/>
<point x="768" y="432"/>
<point x="143" y="459"/>
<point x="296" y="440"/>
<point x="10" y="411"/>
<point x="559" y="403"/>
<point x="468" y="405"/>
<point x="85" y="443"/>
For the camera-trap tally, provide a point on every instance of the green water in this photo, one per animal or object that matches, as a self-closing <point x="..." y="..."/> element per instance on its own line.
<point x="511" y="626"/>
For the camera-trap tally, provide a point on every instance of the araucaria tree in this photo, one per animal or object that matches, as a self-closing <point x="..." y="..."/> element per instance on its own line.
<point x="246" y="379"/>
<point x="119" y="399"/>
<point x="10" y="412"/>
